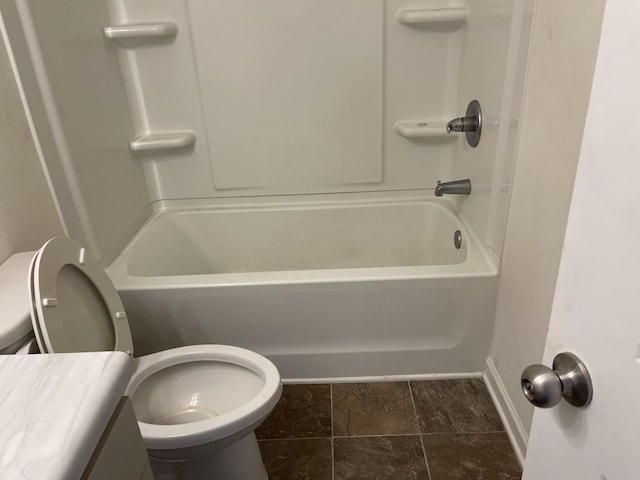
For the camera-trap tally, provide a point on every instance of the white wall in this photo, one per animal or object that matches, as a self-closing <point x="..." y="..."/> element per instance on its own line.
<point x="27" y="213"/>
<point x="562" y="60"/>
<point x="78" y="103"/>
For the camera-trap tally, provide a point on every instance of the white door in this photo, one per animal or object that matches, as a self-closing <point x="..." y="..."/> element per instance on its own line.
<point x="596" y="311"/>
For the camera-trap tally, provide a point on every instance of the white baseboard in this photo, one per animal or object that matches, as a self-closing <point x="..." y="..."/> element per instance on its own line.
<point x="384" y="378"/>
<point x="506" y="410"/>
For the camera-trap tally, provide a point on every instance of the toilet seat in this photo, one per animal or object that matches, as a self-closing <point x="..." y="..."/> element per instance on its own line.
<point x="35" y="324"/>
<point x="76" y="308"/>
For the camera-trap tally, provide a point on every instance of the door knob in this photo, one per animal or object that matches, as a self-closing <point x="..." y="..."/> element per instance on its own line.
<point x="568" y="379"/>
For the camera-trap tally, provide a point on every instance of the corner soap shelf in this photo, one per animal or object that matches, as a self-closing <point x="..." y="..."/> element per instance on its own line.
<point x="141" y="30"/>
<point x="432" y="15"/>
<point x="162" y="141"/>
<point x="422" y="129"/>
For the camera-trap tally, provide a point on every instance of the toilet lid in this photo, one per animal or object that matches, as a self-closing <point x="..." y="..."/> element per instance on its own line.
<point x="76" y="307"/>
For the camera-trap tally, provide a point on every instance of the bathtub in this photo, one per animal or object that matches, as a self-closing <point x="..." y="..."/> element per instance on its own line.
<point x="325" y="289"/>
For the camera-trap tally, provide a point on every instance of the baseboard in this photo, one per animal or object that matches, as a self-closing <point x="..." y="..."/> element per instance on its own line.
<point x="507" y="411"/>
<point x="383" y="378"/>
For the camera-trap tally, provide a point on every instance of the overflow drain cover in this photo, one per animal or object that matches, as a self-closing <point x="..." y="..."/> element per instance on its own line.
<point x="457" y="239"/>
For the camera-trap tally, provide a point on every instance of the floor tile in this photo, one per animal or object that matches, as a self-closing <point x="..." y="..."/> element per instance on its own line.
<point x="471" y="456"/>
<point x="303" y="411"/>
<point x="449" y="406"/>
<point x="373" y="409"/>
<point x="302" y="459"/>
<point x="380" y="458"/>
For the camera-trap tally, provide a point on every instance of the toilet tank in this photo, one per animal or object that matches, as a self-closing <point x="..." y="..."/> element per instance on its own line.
<point x="15" y="310"/>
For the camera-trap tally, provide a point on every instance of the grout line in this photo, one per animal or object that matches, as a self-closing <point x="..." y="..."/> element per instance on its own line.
<point x="479" y="432"/>
<point x="424" y="454"/>
<point x="331" y="407"/>
<point x="424" y="450"/>
<point x="358" y="436"/>
<point x="415" y="410"/>
<point x="292" y="438"/>
<point x="381" y="435"/>
<point x="333" y="453"/>
<point x="367" y="436"/>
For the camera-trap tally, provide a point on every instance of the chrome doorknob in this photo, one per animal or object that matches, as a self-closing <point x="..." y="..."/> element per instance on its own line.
<point x="568" y="379"/>
<point x="541" y="386"/>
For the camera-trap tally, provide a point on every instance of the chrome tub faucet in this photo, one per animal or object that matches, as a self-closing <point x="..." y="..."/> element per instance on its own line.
<point x="456" y="187"/>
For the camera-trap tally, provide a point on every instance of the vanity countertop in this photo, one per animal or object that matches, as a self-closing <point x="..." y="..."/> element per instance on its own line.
<point x="54" y="409"/>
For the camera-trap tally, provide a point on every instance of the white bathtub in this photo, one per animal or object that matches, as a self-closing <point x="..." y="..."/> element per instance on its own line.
<point x="324" y="289"/>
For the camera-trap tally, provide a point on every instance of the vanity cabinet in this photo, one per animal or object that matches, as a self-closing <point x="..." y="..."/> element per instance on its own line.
<point x="120" y="453"/>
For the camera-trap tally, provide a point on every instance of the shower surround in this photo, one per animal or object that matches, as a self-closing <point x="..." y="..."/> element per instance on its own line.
<point x="262" y="174"/>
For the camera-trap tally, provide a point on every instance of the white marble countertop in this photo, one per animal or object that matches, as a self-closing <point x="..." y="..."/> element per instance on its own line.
<point x="53" y="410"/>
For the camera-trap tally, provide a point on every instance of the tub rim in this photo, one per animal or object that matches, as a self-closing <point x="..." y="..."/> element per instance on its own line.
<point x="481" y="260"/>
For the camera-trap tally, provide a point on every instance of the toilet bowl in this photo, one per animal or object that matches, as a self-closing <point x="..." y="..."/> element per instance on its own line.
<point x="199" y="428"/>
<point x="197" y="406"/>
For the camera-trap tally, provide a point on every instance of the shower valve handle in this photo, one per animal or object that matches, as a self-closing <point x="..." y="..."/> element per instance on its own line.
<point x="470" y="124"/>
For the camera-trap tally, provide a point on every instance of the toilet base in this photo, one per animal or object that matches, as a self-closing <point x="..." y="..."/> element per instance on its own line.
<point x="239" y="461"/>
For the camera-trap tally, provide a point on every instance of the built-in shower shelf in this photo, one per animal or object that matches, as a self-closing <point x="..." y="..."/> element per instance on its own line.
<point x="422" y="129"/>
<point x="141" y="30"/>
<point x="162" y="141"/>
<point x="432" y="15"/>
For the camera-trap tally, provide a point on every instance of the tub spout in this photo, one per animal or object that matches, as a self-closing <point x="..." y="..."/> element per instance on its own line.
<point x="456" y="187"/>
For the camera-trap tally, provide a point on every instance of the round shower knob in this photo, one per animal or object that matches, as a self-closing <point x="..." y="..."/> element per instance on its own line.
<point x="569" y="379"/>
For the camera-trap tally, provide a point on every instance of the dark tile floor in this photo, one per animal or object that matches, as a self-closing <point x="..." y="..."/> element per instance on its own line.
<point x="419" y="430"/>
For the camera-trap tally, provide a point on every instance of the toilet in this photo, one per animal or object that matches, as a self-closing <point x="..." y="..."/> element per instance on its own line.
<point x="197" y="406"/>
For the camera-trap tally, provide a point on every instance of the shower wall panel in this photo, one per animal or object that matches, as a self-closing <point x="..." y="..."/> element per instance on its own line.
<point x="293" y="96"/>
<point x="282" y="98"/>
<point x="493" y="71"/>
